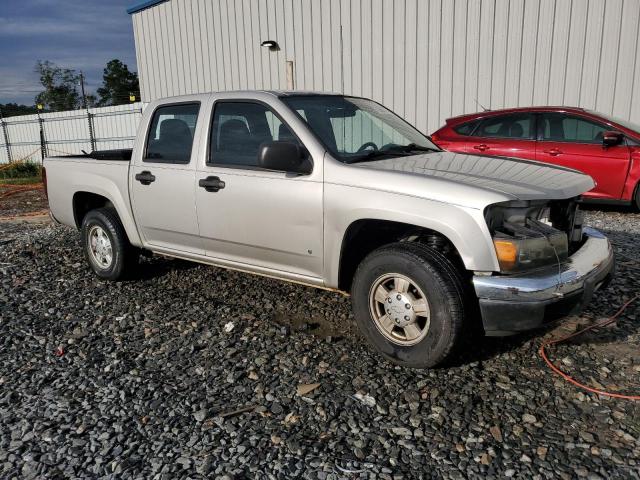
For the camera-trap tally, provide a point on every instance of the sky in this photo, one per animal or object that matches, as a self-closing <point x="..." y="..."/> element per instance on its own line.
<point x="78" y="34"/>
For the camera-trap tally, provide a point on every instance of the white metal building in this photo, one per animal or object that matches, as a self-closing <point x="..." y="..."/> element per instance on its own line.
<point x="425" y="59"/>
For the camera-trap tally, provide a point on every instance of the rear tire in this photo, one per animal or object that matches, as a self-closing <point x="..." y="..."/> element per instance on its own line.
<point x="409" y="302"/>
<point x="636" y="198"/>
<point x="106" y="245"/>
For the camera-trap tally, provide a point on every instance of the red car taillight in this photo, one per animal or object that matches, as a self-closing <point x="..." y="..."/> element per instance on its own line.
<point x="44" y="182"/>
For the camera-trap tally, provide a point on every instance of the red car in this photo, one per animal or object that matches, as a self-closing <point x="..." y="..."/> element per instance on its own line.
<point x="604" y="147"/>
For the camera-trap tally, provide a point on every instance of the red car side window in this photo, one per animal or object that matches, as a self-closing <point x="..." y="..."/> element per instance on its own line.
<point x="466" y="128"/>
<point x="517" y="126"/>
<point x="559" y="127"/>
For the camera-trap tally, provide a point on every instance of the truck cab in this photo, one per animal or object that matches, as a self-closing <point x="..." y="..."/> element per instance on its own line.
<point x="198" y="188"/>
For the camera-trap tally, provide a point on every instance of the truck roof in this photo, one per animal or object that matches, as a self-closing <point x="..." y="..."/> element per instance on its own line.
<point x="299" y="93"/>
<point x="256" y="93"/>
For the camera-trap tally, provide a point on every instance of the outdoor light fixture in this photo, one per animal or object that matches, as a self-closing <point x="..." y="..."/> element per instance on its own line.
<point x="271" y="45"/>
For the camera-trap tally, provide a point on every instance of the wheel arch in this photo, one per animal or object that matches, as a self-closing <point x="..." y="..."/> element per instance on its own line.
<point x="85" y="200"/>
<point x="364" y="235"/>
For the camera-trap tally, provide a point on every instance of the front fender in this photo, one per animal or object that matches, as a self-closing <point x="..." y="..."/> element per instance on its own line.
<point x="465" y="227"/>
<point x="633" y="176"/>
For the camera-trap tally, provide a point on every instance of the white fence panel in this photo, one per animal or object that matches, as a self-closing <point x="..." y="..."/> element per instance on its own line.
<point x="67" y="133"/>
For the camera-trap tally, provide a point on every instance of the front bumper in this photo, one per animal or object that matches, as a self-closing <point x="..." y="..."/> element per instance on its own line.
<point x="516" y="303"/>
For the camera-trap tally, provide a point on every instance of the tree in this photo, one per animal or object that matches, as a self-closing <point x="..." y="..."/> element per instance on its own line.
<point x="14" y="109"/>
<point x="60" y="87"/>
<point x="92" y="100"/>
<point x="118" y="83"/>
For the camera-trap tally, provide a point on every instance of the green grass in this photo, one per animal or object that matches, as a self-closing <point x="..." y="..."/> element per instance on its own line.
<point x="26" y="169"/>
<point x="20" y="181"/>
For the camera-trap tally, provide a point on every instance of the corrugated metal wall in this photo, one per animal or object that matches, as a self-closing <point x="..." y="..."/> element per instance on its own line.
<point x="425" y="59"/>
<point x="67" y="133"/>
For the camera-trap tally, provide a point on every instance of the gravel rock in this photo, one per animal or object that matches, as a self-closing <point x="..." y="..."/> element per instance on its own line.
<point x="148" y="382"/>
<point x="200" y="415"/>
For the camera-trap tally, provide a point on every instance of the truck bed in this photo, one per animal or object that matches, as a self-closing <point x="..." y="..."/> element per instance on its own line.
<point x="120" y="155"/>
<point x="75" y="180"/>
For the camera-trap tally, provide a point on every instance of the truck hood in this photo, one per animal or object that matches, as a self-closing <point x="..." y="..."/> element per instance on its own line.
<point x="516" y="178"/>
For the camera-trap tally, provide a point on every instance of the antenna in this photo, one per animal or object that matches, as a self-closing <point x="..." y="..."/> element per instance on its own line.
<point x="481" y="106"/>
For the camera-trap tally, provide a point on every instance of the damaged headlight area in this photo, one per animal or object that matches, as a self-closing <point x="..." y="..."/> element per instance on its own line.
<point x="533" y="234"/>
<point x="535" y="244"/>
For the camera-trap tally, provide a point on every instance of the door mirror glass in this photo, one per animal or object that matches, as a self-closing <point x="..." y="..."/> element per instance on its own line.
<point x="283" y="156"/>
<point x="611" y="139"/>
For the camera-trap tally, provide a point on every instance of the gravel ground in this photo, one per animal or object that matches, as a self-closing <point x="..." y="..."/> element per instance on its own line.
<point x="192" y="371"/>
<point x="22" y="202"/>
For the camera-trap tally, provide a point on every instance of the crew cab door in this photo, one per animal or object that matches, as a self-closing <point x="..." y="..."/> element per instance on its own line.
<point x="510" y="135"/>
<point x="576" y="142"/>
<point x="162" y="180"/>
<point x="250" y="216"/>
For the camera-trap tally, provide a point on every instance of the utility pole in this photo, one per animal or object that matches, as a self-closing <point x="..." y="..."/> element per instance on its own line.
<point x="5" y="131"/>
<point x="92" y="139"/>
<point x="84" y="97"/>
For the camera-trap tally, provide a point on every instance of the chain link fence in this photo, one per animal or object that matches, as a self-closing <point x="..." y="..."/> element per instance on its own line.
<point x="33" y="137"/>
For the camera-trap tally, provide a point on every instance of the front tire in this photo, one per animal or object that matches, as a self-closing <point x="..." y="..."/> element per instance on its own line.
<point x="409" y="302"/>
<point x="106" y="245"/>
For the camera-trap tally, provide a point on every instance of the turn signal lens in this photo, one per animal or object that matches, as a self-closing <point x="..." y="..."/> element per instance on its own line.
<point x="519" y="254"/>
<point x="507" y="252"/>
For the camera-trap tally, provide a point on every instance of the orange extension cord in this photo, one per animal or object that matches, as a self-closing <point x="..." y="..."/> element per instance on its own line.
<point x="570" y="379"/>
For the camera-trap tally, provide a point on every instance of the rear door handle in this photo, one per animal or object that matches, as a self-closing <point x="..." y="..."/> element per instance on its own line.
<point x="553" y="152"/>
<point x="145" y="178"/>
<point x="211" y="184"/>
<point x="482" y="147"/>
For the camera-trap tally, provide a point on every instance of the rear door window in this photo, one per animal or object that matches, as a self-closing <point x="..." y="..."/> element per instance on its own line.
<point x="514" y="126"/>
<point x="170" y="137"/>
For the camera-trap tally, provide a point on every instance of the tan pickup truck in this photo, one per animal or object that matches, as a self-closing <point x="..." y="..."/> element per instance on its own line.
<point x="340" y="193"/>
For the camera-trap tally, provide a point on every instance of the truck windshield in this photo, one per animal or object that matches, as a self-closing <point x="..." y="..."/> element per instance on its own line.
<point x="356" y="129"/>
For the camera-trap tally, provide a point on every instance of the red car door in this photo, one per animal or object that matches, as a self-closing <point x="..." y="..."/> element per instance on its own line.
<point x="576" y="142"/>
<point x="510" y="135"/>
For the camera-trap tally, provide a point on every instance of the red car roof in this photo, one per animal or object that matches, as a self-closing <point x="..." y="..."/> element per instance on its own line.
<point x="471" y="116"/>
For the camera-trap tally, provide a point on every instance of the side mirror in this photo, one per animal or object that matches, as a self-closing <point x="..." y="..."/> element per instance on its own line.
<point x="611" y="139"/>
<point x="284" y="156"/>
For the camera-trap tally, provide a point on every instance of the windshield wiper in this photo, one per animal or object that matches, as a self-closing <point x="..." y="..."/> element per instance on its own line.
<point x="412" y="147"/>
<point x="375" y="154"/>
<point x="396" y="150"/>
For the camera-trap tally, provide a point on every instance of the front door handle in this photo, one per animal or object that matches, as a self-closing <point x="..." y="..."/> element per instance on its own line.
<point x="553" y="152"/>
<point x="482" y="147"/>
<point x="145" y="178"/>
<point x="211" y="184"/>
